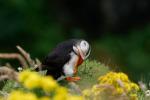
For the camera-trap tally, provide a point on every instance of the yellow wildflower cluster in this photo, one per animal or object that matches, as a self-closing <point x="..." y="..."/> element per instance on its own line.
<point x="16" y="95"/>
<point x="51" y="89"/>
<point x="115" y="84"/>
<point x="20" y="95"/>
<point x="119" y="81"/>
<point x="33" y="80"/>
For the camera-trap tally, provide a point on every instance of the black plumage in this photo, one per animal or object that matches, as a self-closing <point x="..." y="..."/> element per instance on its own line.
<point x="59" y="56"/>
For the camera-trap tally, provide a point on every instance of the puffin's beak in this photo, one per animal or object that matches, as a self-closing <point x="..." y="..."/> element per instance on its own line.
<point x="82" y="54"/>
<point x="78" y="50"/>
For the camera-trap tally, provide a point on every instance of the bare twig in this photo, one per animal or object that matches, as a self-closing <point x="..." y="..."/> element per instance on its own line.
<point x="27" y="56"/>
<point x="3" y="77"/>
<point x="14" y="56"/>
<point x="38" y="63"/>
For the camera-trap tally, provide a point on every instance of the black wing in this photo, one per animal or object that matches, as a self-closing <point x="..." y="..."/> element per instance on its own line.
<point x="55" y="60"/>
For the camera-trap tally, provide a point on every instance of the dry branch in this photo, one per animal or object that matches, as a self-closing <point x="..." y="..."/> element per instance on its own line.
<point x="8" y="73"/>
<point x="38" y="63"/>
<point x="14" y="56"/>
<point x="27" y="56"/>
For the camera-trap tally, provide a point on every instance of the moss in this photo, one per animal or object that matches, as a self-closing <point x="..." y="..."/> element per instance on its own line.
<point x="89" y="72"/>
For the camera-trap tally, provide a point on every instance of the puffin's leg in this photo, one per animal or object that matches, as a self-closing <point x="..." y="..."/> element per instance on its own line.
<point x="73" y="79"/>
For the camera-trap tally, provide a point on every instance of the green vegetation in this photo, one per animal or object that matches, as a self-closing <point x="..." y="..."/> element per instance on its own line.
<point x="89" y="72"/>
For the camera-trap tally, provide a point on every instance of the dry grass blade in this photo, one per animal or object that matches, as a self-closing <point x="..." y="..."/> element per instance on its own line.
<point x="27" y="56"/>
<point x="37" y="65"/>
<point x="14" y="56"/>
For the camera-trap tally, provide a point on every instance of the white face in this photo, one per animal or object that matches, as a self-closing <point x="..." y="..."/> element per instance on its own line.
<point x="83" y="49"/>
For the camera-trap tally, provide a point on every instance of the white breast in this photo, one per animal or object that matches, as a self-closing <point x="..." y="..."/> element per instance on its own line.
<point x="69" y="66"/>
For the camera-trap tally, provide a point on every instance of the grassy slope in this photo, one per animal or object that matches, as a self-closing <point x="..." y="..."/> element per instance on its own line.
<point x="89" y="72"/>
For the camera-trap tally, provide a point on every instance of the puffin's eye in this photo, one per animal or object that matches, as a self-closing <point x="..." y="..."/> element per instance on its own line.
<point x="84" y="44"/>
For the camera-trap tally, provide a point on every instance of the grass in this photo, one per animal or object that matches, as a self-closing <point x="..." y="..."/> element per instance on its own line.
<point x="89" y="72"/>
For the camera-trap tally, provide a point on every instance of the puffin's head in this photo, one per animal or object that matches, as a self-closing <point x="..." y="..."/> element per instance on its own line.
<point x="82" y="48"/>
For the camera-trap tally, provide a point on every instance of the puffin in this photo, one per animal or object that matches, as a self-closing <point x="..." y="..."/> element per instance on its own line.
<point x="64" y="59"/>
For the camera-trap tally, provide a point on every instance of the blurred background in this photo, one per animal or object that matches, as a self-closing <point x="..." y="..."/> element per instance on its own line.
<point x="118" y="30"/>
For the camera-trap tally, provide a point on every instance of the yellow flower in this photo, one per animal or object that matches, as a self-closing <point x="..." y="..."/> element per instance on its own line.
<point x="61" y="90"/>
<point x="127" y="87"/>
<point x="18" y="95"/>
<point x="61" y="93"/>
<point x="103" y="79"/>
<point x="48" y="83"/>
<point x="44" y="98"/>
<point x="133" y="97"/>
<point x="71" y="97"/>
<point x="96" y="90"/>
<point x="33" y="81"/>
<point x="135" y="86"/>
<point x="60" y="97"/>
<point x="15" y="95"/>
<point x="120" y="82"/>
<point x="119" y="90"/>
<point x="29" y="96"/>
<point x="86" y="92"/>
<point x="24" y="75"/>
<point x="123" y="77"/>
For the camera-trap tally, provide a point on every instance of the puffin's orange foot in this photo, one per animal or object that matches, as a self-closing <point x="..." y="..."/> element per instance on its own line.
<point x="73" y="79"/>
